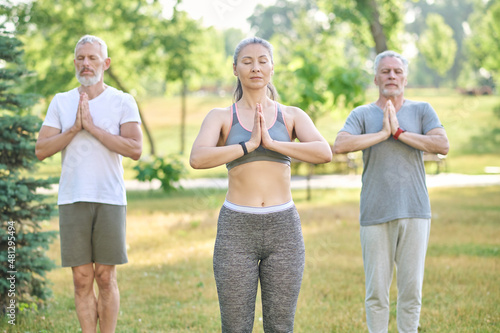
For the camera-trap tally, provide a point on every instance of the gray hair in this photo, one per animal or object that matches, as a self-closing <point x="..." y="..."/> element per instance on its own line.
<point x="238" y="93"/>
<point x="252" y="40"/>
<point x="93" y="39"/>
<point x="391" y="54"/>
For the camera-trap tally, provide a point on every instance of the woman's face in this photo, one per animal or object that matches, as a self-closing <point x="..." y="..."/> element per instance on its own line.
<point x="254" y="67"/>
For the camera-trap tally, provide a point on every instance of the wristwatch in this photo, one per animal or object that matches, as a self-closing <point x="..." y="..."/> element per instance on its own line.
<point x="398" y="133"/>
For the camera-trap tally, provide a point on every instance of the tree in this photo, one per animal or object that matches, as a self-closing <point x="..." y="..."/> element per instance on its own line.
<point x="148" y="49"/>
<point x="22" y="209"/>
<point x="50" y="30"/>
<point x="455" y="16"/>
<point x="313" y="75"/>
<point x="278" y="18"/>
<point x="190" y="52"/>
<point x="483" y="45"/>
<point x="381" y="20"/>
<point x="437" y="45"/>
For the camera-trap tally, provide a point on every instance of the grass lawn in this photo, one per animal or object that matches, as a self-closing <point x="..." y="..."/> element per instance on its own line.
<point x="168" y="284"/>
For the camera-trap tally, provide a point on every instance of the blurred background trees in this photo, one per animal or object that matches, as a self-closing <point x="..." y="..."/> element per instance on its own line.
<point x="323" y="48"/>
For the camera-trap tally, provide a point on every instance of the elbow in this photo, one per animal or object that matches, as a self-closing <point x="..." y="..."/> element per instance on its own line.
<point x="444" y="150"/>
<point x="136" y="154"/>
<point x="39" y="154"/>
<point x="327" y="156"/>
<point x="197" y="160"/>
<point x="194" y="163"/>
<point x="337" y="149"/>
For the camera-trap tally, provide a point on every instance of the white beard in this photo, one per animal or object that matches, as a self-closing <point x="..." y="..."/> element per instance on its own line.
<point x="391" y="93"/>
<point x="88" y="81"/>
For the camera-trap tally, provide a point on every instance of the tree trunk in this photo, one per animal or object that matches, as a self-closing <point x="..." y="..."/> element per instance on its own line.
<point x="370" y="11"/>
<point x="144" y="125"/>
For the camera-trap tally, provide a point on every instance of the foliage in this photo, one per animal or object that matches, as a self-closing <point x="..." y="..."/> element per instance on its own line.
<point x="456" y="17"/>
<point x="437" y="44"/>
<point x="483" y="45"/>
<point x="167" y="171"/>
<point x="362" y="17"/>
<point x="22" y="208"/>
<point x="279" y="18"/>
<point x="314" y="76"/>
<point x="150" y="51"/>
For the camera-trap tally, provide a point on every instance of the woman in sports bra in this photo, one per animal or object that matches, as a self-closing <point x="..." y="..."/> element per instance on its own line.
<point x="259" y="236"/>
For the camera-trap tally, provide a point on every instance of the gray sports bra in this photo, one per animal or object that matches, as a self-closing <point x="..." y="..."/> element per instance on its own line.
<point x="238" y="133"/>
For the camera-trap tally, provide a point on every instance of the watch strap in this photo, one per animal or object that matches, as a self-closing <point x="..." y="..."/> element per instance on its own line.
<point x="398" y="133"/>
<point x="244" y="146"/>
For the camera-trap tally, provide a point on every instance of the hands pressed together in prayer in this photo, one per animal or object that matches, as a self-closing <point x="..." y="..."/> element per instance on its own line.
<point x="391" y="123"/>
<point x="83" y="117"/>
<point x="260" y="135"/>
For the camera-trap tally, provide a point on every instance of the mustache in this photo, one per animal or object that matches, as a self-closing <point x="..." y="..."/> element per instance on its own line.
<point x="87" y="69"/>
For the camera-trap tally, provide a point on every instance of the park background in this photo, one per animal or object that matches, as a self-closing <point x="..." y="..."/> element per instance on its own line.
<point x="175" y="58"/>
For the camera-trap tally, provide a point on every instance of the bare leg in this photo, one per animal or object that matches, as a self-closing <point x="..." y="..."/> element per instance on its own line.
<point x="108" y="303"/>
<point x="85" y="298"/>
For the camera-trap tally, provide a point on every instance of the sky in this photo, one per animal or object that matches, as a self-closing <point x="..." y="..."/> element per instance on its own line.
<point x="221" y="14"/>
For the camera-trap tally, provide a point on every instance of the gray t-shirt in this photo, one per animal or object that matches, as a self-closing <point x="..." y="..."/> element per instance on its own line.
<point x="393" y="175"/>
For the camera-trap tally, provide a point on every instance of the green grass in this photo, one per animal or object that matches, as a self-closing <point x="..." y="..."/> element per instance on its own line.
<point x="168" y="285"/>
<point x="464" y="118"/>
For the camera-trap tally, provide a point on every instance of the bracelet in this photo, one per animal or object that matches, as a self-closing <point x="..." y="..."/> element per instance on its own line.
<point x="243" y="145"/>
<point x="398" y="133"/>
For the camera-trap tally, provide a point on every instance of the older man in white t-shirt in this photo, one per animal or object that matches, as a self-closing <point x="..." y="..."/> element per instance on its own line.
<point x="92" y="126"/>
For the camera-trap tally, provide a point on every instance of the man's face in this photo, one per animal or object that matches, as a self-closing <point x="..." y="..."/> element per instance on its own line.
<point x="391" y="77"/>
<point x="89" y="64"/>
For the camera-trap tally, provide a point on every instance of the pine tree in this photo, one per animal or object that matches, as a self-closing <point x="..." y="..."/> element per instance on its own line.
<point x="23" y="244"/>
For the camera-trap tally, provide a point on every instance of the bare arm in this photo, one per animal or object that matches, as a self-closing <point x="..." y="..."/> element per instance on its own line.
<point x="51" y="141"/>
<point x="435" y="141"/>
<point x="128" y="143"/>
<point x="347" y="142"/>
<point x="312" y="148"/>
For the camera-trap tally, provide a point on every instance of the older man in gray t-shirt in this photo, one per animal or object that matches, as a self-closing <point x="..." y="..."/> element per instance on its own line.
<point x="395" y="210"/>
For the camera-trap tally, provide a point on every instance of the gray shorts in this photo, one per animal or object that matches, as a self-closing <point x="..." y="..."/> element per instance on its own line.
<point x="92" y="233"/>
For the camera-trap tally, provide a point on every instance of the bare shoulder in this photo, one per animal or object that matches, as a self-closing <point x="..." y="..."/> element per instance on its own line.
<point x="219" y="113"/>
<point x="291" y="110"/>
<point x="218" y="119"/>
<point x="293" y="113"/>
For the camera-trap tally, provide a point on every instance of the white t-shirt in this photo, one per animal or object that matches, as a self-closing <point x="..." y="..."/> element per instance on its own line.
<point x="90" y="171"/>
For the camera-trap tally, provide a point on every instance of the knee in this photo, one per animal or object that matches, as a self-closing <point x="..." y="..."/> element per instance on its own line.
<point x="106" y="279"/>
<point x="83" y="281"/>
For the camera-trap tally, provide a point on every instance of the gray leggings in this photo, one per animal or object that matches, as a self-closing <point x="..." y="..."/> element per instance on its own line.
<point x="253" y="246"/>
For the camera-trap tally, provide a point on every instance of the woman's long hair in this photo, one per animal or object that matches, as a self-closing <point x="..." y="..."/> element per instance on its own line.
<point x="271" y="90"/>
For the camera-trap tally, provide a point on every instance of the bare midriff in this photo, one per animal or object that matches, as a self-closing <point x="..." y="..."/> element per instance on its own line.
<point x="259" y="184"/>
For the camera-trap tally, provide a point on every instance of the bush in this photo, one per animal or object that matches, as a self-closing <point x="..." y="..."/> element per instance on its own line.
<point x="168" y="172"/>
